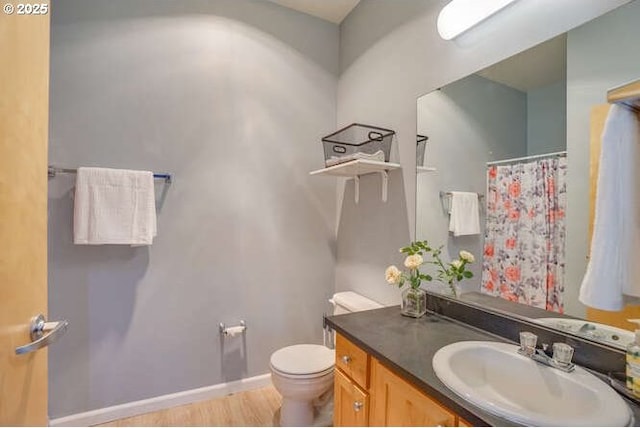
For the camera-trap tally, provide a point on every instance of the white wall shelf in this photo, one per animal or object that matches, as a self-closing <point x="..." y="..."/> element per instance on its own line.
<point x="354" y="169"/>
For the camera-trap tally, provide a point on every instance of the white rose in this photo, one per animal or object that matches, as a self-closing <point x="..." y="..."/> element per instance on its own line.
<point x="456" y="264"/>
<point x="392" y="275"/>
<point x="413" y="262"/>
<point x="467" y="256"/>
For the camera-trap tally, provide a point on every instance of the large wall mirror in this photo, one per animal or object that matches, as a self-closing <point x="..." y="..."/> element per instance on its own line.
<point x="517" y="135"/>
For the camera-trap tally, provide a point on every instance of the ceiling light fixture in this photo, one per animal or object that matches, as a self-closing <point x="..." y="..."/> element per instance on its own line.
<point x="460" y="15"/>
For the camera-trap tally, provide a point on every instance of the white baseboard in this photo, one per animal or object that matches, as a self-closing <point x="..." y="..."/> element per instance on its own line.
<point x="134" y="408"/>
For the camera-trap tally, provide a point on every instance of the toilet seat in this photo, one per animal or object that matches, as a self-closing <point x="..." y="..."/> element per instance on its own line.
<point x="303" y="361"/>
<point x="328" y="372"/>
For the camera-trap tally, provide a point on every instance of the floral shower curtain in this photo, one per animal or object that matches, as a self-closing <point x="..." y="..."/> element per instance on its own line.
<point x="524" y="252"/>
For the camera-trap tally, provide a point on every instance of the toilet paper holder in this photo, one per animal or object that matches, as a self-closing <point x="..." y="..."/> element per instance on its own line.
<point x="233" y="330"/>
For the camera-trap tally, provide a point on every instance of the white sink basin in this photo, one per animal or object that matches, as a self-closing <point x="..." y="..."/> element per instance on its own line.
<point x="494" y="377"/>
<point x="592" y="330"/>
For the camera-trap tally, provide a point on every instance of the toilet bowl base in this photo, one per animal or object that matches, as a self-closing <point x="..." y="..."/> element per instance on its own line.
<point x="295" y="413"/>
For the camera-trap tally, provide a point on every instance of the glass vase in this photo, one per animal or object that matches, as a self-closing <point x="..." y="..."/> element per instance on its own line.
<point x="414" y="302"/>
<point x="454" y="289"/>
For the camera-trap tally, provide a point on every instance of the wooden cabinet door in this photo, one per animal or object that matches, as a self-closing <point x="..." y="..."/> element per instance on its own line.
<point x="24" y="112"/>
<point x="351" y="404"/>
<point x="394" y="402"/>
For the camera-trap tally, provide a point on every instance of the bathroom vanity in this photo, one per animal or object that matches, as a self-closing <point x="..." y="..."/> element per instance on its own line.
<point x="367" y="393"/>
<point x="384" y="374"/>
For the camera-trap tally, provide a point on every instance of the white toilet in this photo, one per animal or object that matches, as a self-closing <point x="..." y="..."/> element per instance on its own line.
<point x="304" y="373"/>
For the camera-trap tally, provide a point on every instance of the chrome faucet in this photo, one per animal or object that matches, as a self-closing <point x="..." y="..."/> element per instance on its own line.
<point x="560" y="359"/>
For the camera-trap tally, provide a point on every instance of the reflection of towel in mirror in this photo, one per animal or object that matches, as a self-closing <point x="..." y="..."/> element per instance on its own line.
<point x="335" y="160"/>
<point x="613" y="268"/>
<point x="114" y="206"/>
<point x="465" y="218"/>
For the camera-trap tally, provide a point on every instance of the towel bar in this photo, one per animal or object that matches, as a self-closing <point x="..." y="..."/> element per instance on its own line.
<point x="443" y="194"/>
<point x="53" y="171"/>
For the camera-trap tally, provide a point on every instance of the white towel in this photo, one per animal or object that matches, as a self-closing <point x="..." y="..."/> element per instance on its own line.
<point x="335" y="160"/>
<point x="465" y="218"/>
<point x="114" y="206"/>
<point x="613" y="268"/>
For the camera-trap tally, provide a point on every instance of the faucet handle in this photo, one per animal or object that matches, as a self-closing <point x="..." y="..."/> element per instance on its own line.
<point x="562" y="354"/>
<point x="528" y="342"/>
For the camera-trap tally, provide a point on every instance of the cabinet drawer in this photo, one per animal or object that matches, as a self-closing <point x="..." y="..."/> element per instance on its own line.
<point x="351" y="404"/>
<point x="353" y="361"/>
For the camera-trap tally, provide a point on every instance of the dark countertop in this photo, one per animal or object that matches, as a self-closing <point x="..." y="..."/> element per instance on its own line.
<point x="407" y="345"/>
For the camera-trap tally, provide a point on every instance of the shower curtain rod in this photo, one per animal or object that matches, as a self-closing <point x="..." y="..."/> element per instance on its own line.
<point x="547" y="155"/>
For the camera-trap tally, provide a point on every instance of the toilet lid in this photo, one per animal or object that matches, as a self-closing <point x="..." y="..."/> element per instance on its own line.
<point x="303" y="359"/>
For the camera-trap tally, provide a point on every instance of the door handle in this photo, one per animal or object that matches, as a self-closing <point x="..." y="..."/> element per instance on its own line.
<point x="43" y="334"/>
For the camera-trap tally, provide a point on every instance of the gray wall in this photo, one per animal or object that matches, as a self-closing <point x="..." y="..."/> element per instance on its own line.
<point x="232" y="97"/>
<point x="600" y="56"/>
<point x="464" y="132"/>
<point x="547" y="119"/>
<point x="390" y="55"/>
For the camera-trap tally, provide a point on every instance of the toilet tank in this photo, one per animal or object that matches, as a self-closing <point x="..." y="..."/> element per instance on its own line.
<point x="348" y="301"/>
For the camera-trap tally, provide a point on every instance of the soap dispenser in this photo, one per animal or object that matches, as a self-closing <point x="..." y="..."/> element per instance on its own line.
<point x="633" y="362"/>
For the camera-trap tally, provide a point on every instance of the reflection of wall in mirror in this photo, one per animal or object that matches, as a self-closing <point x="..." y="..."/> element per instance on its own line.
<point x="468" y="122"/>
<point x="471" y="122"/>
<point x="547" y="119"/>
